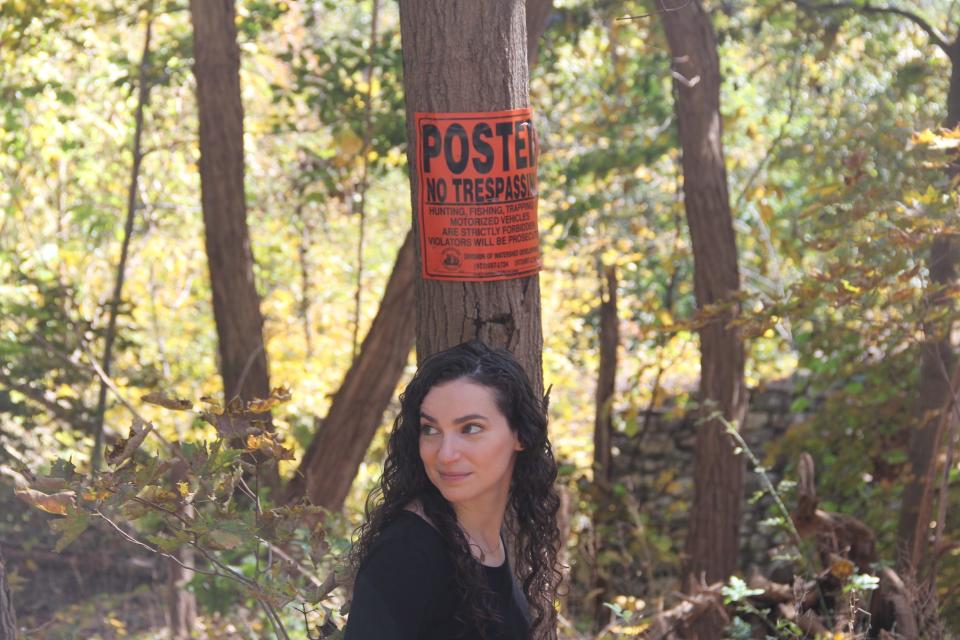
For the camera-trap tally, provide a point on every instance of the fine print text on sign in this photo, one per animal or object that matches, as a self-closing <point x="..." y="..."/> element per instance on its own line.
<point x="478" y="195"/>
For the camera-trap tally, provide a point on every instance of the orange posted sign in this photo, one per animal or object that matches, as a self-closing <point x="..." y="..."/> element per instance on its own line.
<point x="478" y="195"/>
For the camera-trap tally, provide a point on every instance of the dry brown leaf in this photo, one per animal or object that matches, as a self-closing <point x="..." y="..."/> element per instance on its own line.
<point x="267" y="443"/>
<point x="126" y="448"/>
<point x="177" y="404"/>
<point x="278" y="395"/>
<point x="841" y="567"/>
<point x="228" y="426"/>
<point x="56" y="503"/>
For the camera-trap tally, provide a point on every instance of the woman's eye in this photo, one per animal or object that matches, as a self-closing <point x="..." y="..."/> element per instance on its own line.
<point x="472" y="428"/>
<point x="427" y="430"/>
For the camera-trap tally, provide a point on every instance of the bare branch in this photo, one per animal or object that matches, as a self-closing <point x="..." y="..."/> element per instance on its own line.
<point x="142" y="100"/>
<point x="110" y="384"/>
<point x="126" y="536"/>
<point x="935" y="35"/>
<point x="665" y="9"/>
<point x="328" y="584"/>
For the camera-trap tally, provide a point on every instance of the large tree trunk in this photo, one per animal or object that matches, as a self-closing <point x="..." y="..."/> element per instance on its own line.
<point x="236" y="304"/>
<point x="936" y="367"/>
<point x="337" y="449"/>
<point x="602" y="433"/>
<point x="461" y="56"/>
<point x="713" y="533"/>
<point x="8" y="620"/>
<point x="470" y="56"/>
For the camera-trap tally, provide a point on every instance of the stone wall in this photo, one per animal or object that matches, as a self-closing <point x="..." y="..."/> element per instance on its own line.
<point x="656" y="468"/>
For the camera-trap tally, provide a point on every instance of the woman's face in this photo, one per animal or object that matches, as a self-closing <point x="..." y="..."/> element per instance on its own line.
<point x="466" y="444"/>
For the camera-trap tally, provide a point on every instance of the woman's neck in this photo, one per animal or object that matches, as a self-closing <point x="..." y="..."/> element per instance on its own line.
<point x="482" y="522"/>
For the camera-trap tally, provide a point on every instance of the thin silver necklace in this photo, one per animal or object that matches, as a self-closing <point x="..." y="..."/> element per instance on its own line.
<point x="479" y="546"/>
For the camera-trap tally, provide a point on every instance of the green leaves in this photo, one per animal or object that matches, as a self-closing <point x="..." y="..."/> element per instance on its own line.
<point x="62" y="468"/>
<point x="69" y="528"/>
<point x="861" y="582"/>
<point x="736" y="590"/>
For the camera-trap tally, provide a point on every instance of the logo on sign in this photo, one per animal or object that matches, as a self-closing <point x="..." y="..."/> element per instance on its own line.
<point x="451" y="259"/>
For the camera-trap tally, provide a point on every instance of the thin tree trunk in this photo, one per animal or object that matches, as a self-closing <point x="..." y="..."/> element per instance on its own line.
<point x="538" y="14"/>
<point x="8" y="618"/>
<point x="951" y="417"/>
<point x="364" y="179"/>
<point x="304" y="242"/>
<point x="487" y="73"/>
<point x="339" y="445"/>
<point x="936" y="363"/>
<point x="143" y="96"/>
<point x="181" y="604"/>
<point x="603" y="431"/>
<point x="937" y="359"/>
<point x="713" y="533"/>
<point x="236" y="303"/>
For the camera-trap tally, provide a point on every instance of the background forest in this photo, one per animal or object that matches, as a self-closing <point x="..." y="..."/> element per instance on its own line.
<point x="838" y="131"/>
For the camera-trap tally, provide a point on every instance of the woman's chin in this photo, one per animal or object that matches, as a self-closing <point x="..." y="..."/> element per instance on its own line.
<point x="454" y="495"/>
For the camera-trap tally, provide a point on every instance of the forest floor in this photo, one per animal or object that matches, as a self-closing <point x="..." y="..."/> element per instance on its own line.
<point x="96" y="588"/>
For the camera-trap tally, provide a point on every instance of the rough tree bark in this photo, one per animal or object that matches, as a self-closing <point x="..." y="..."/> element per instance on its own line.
<point x="236" y="303"/>
<point x="603" y="429"/>
<point x="331" y="461"/>
<point x="469" y="56"/>
<point x="461" y="56"/>
<point x="713" y="533"/>
<point x="8" y="619"/>
<point x="337" y="449"/>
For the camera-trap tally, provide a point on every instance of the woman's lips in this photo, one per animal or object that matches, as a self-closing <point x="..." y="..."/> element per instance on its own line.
<point x="453" y="477"/>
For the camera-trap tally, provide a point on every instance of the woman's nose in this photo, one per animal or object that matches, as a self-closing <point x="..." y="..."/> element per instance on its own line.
<point x="449" y="450"/>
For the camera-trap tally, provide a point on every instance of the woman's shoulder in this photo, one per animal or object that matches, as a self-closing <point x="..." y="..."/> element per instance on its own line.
<point x="402" y="583"/>
<point x="409" y="539"/>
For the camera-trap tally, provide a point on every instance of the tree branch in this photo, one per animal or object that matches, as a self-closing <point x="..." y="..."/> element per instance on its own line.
<point x="142" y="99"/>
<point x="37" y="396"/>
<point x="935" y="35"/>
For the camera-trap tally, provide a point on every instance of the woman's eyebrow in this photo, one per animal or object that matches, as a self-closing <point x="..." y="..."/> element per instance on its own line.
<point x="466" y="418"/>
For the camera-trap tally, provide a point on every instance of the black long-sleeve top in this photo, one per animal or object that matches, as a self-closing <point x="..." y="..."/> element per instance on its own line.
<point x="405" y="590"/>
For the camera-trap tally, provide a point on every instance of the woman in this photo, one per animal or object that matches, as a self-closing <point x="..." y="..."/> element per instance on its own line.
<point x="467" y="488"/>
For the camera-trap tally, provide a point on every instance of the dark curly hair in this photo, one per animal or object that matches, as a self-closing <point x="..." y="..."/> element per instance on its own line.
<point x="532" y="506"/>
